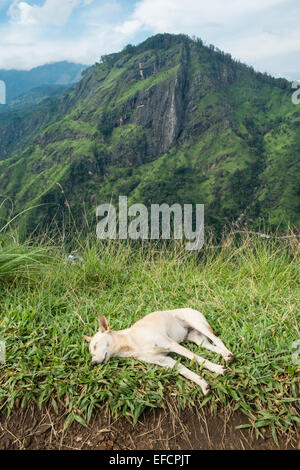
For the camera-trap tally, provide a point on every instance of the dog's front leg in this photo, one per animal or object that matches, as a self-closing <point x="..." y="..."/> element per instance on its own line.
<point x="166" y="361"/>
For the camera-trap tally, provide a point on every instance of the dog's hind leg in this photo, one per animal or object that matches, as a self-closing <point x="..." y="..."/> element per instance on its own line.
<point x="197" y="321"/>
<point x="178" y="349"/>
<point x="166" y="361"/>
<point x="201" y="340"/>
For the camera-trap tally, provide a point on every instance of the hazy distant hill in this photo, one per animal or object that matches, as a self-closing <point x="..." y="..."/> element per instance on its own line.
<point x="20" y="82"/>
<point x="170" y="120"/>
<point x="34" y="97"/>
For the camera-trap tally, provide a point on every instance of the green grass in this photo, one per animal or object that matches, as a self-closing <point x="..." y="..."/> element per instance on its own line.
<point x="19" y="259"/>
<point x="248" y="291"/>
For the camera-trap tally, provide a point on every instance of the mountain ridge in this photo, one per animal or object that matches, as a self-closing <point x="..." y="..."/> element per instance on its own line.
<point x="170" y="120"/>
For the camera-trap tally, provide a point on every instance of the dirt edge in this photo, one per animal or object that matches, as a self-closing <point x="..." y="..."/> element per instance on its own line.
<point x="158" y="429"/>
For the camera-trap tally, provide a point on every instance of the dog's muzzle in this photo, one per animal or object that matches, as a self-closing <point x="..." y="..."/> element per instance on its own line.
<point x="97" y="363"/>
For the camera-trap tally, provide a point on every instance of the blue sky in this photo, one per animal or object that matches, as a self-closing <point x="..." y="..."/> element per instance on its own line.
<point x="263" y="33"/>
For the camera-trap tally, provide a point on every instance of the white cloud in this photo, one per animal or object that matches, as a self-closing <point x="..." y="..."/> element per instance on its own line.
<point x="176" y="16"/>
<point x="55" y="12"/>
<point x="21" y="12"/>
<point x="29" y="41"/>
<point x="128" y="28"/>
<point x="251" y="30"/>
<point x="263" y="33"/>
<point x="265" y="44"/>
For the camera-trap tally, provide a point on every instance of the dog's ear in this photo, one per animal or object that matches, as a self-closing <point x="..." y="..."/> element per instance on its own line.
<point x="87" y="338"/>
<point x="103" y="323"/>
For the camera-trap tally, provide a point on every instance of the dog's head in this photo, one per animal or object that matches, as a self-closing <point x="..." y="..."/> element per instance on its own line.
<point x="101" y="344"/>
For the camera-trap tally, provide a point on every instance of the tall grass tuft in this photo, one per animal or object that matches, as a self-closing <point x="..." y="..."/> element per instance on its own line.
<point x="19" y="259"/>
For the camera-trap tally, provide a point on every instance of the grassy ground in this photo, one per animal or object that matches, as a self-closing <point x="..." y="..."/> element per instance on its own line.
<point x="249" y="292"/>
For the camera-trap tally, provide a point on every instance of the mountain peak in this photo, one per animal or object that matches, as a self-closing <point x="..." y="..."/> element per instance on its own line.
<point x="170" y="120"/>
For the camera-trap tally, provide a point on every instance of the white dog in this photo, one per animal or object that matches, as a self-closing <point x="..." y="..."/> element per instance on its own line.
<point x="157" y="334"/>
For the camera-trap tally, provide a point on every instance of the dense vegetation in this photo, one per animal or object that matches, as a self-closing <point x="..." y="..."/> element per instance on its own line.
<point x="170" y="120"/>
<point x="248" y="289"/>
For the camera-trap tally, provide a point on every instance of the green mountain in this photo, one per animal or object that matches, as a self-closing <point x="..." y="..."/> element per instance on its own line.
<point x="170" y="120"/>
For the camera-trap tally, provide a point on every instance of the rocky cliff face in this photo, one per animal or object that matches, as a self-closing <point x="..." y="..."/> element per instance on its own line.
<point x="167" y="121"/>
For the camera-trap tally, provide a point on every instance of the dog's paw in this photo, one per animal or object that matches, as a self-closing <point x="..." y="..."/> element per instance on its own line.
<point x="222" y="370"/>
<point x="229" y="358"/>
<point x="206" y="390"/>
